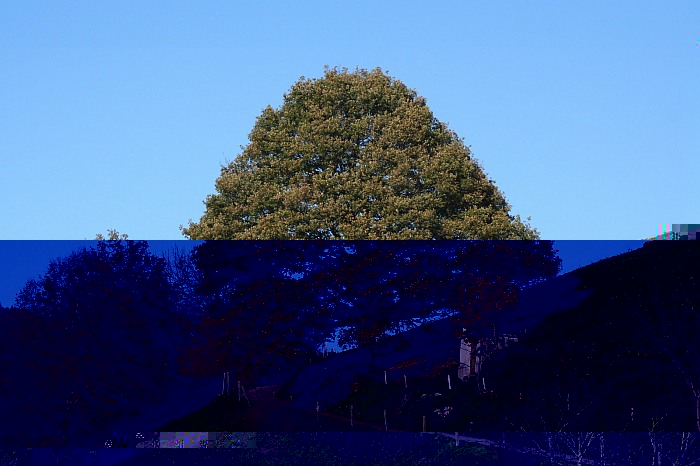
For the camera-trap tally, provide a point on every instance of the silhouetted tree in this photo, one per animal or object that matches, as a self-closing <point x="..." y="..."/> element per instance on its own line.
<point x="274" y="298"/>
<point x="104" y="344"/>
<point x="392" y="286"/>
<point x="263" y="307"/>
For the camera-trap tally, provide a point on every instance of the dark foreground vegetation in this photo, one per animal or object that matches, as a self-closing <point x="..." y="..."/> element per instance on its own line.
<point x="360" y="449"/>
<point x="623" y="362"/>
<point x="611" y="348"/>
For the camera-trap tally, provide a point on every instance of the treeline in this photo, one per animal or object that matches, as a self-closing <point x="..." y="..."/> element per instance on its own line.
<point x="107" y="327"/>
<point x="625" y="360"/>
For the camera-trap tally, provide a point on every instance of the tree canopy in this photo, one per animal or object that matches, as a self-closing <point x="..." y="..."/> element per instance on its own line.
<point x="258" y="311"/>
<point x="273" y="300"/>
<point x="355" y="156"/>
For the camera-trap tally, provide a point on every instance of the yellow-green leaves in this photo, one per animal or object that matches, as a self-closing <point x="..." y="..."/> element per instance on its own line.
<point x="355" y="155"/>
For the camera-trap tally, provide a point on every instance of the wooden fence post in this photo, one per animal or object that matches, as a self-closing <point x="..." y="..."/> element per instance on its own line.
<point x="449" y="384"/>
<point x="404" y="382"/>
<point x="386" y="429"/>
<point x="317" y="409"/>
<point x="423" y="423"/>
<point x="384" y="377"/>
<point x="239" y="390"/>
<point x="350" y="415"/>
<point x="246" y="396"/>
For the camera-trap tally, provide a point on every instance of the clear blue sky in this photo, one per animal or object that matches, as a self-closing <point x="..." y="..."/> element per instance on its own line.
<point x="119" y="114"/>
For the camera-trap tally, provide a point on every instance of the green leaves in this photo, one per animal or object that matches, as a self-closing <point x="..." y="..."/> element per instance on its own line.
<point x="355" y="156"/>
<point x="112" y="235"/>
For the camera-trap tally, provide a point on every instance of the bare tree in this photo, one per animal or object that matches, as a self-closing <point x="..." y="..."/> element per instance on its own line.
<point x="553" y="440"/>
<point x="671" y="331"/>
<point x="674" y="448"/>
<point x="686" y="453"/>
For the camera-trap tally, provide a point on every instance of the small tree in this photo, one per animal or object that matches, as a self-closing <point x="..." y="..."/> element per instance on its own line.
<point x="105" y="330"/>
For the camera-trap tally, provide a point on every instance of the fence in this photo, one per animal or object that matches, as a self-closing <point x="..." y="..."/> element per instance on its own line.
<point x="385" y="406"/>
<point x="226" y="387"/>
<point x="383" y="414"/>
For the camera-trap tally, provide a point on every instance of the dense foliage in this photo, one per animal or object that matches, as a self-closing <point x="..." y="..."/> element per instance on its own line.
<point x="94" y="337"/>
<point x="269" y="301"/>
<point x="355" y="156"/>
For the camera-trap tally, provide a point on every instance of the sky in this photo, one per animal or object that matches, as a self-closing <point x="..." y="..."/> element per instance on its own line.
<point x="120" y="114"/>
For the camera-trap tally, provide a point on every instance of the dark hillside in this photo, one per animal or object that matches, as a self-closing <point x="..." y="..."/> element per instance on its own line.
<point x="593" y="335"/>
<point x="422" y="351"/>
<point x="611" y="347"/>
<point x="616" y="335"/>
<point x="631" y="344"/>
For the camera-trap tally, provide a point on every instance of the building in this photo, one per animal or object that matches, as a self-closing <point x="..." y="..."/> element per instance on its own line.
<point x="677" y="231"/>
<point x="474" y="349"/>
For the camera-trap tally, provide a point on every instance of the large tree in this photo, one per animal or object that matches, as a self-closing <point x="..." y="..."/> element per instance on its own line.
<point x="259" y="310"/>
<point x="396" y="285"/>
<point x="355" y="156"/>
<point x="273" y="300"/>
